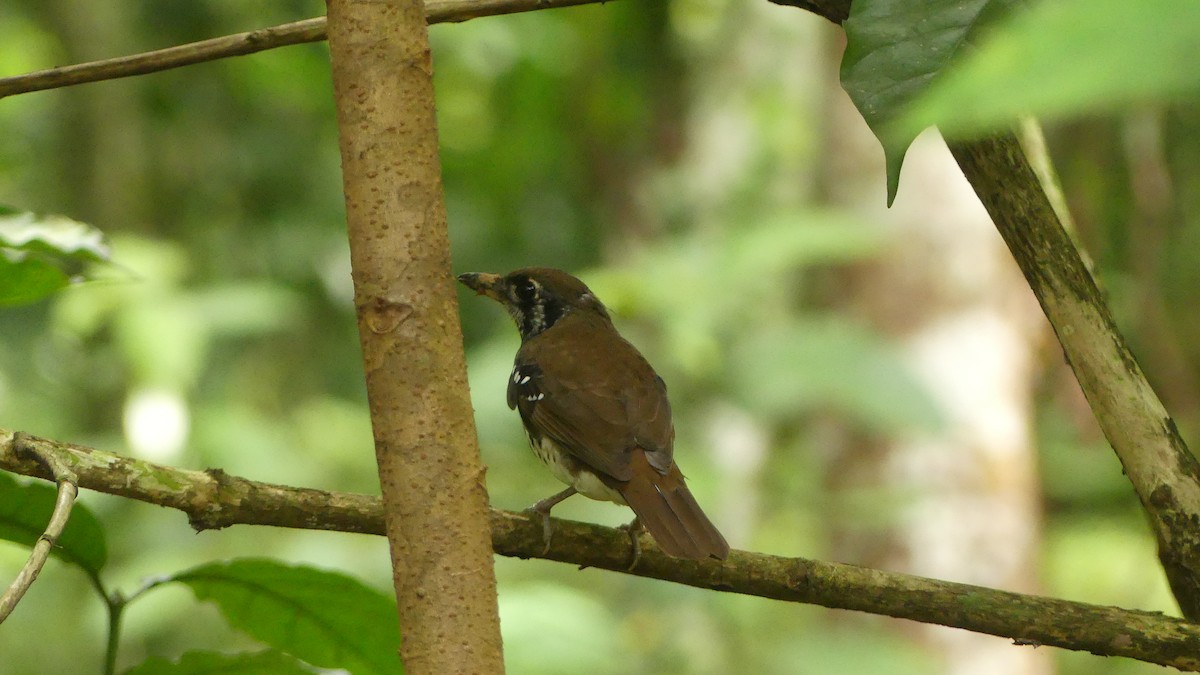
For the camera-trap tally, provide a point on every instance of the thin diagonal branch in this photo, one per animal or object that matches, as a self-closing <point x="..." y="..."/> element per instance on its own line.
<point x="1163" y="471"/>
<point x="214" y="499"/>
<point x="298" y="32"/>
<point x="51" y="462"/>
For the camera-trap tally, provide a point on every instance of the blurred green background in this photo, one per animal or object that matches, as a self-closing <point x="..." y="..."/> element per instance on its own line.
<point x="696" y="163"/>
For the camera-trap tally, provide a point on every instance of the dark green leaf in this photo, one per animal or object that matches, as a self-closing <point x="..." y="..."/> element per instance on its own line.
<point x="1068" y="57"/>
<point x="25" y="510"/>
<point x="894" y="49"/>
<point x="214" y="663"/>
<point x="327" y="619"/>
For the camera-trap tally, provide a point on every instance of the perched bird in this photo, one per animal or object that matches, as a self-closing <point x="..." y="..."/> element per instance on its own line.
<point x="595" y="411"/>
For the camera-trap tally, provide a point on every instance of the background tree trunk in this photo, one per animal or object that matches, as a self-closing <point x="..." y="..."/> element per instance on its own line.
<point x="959" y="502"/>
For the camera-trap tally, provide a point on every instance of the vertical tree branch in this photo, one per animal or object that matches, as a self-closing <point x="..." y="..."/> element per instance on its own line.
<point x="1163" y="471"/>
<point x="433" y="490"/>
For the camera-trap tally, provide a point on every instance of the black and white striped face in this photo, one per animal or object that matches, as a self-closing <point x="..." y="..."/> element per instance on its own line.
<point x="532" y="305"/>
<point x="535" y="297"/>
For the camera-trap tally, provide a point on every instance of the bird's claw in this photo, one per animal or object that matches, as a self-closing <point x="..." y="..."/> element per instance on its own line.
<point x="538" y="511"/>
<point x="542" y="510"/>
<point x="632" y="530"/>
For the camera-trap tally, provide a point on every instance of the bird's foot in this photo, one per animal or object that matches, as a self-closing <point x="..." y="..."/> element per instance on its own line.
<point x="542" y="510"/>
<point x="547" y="529"/>
<point x="633" y="529"/>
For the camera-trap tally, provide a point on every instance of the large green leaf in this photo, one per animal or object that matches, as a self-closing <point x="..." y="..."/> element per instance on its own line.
<point x="895" y="49"/>
<point x="25" y="510"/>
<point x="327" y="619"/>
<point x="40" y="254"/>
<point x="213" y="663"/>
<point x="1067" y="57"/>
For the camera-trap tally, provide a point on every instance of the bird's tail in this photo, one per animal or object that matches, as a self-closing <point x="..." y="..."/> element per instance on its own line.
<point x="669" y="512"/>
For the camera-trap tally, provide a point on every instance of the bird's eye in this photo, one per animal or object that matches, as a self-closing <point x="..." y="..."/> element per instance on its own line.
<point x="526" y="289"/>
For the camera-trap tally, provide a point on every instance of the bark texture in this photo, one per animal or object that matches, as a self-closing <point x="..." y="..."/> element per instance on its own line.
<point x="434" y="497"/>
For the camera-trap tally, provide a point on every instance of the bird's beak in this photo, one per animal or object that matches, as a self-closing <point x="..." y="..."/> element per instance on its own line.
<point x="483" y="284"/>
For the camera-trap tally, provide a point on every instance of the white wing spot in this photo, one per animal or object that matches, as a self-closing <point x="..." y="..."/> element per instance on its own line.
<point x="516" y="374"/>
<point x="535" y="397"/>
<point x="524" y="380"/>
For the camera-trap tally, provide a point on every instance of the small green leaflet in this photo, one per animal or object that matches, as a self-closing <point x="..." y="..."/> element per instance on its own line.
<point x="41" y="254"/>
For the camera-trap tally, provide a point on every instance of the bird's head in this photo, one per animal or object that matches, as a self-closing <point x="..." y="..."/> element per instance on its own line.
<point x="535" y="297"/>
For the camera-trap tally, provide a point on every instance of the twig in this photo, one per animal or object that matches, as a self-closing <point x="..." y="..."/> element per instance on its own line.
<point x="298" y="32"/>
<point x="215" y="499"/>
<point x="58" y="521"/>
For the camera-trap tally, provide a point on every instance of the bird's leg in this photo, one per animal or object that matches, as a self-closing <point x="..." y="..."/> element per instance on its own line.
<point x="542" y="509"/>
<point x="633" y="529"/>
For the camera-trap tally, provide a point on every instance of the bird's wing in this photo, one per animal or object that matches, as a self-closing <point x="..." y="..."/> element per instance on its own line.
<point x="599" y="402"/>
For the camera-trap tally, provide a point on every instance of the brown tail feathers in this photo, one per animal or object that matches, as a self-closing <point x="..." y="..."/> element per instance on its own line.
<point x="669" y="512"/>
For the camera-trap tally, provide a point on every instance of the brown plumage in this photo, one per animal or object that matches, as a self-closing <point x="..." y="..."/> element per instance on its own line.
<point x="594" y="409"/>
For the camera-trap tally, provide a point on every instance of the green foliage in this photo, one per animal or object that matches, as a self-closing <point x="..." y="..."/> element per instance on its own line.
<point x="41" y="254"/>
<point x="554" y="625"/>
<point x="895" y="49"/>
<point x="847" y="369"/>
<point x="973" y="67"/>
<point x="748" y="274"/>
<point x="672" y="154"/>
<point x="25" y="510"/>
<point x="214" y="663"/>
<point x="327" y="619"/>
<point x="1063" y="58"/>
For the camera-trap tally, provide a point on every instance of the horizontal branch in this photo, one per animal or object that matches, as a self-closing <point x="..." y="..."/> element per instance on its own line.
<point x="298" y="32"/>
<point x="214" y="499"/>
